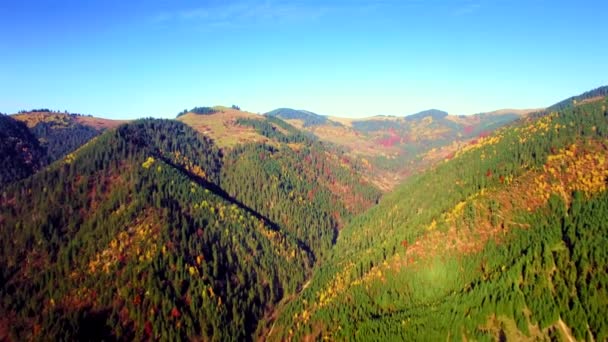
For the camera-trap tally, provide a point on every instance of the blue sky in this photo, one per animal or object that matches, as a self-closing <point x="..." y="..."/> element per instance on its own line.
<point x="127" y="59"/>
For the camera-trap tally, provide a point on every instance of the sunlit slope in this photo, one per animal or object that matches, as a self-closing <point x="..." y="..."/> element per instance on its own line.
<point x="397" y="147"/>
<point x="308" y="187"/>
<point x="505" y="240"/>
<point x="221" y="125"/>
<point x="33" y="118"/>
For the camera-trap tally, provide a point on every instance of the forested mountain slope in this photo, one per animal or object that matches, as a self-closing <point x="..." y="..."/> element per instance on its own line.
<point x="308" y="187"/>
<point x="220" y="124"/>
<point x="398" y="147"/>
<point x="62" y="133"/>
<point x="20" y="151"/>
<point x="151" y="230"/>
<point x="507" y="239"/>
<point x="131" y="237"/>
<point x="31" y="140"/>
<point x="304" y="117"/>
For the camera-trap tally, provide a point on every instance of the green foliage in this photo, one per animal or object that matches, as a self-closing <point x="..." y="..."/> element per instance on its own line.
<point x="298" y="190"/>
<point x="433" y="113"/>
<point x="198" y="110"/>
<point x="555" y="268"/>
<point x="277" y="129"/>
<point x="61" y="138"/>
<point x="150" y="231"/>
<point x="20" y="152"/>
<point x="156" y="251"/>
<point x="47" y="141"/>
<point x="598" y="92"/>
<point x="308" y="118"/>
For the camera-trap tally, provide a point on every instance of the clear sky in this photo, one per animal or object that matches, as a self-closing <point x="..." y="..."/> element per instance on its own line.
<point x="134" y="58"/>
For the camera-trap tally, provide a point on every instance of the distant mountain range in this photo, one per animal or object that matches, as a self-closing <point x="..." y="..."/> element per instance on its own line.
<point x="398" y="147"/>
<point x="504" y="240"/>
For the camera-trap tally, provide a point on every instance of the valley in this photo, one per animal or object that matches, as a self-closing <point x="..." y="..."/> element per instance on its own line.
<point x="224" y="224"/>
<point x="286" y="170"/>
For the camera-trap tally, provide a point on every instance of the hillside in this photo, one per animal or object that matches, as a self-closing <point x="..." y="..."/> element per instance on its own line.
<point x="220" y="124"/>
<point x="131" y="237"/>
<point x="62" y="133"/>
<point x="229" y="225"/>
<point x="398" y="147"/>
<point x="20" y="151"/>
<point x="505" y="240"/>
<point x="151" y="230"/>
<point x="589" y="96"/>
<point x="287" y="174"/>
<point x="303" y="117"/>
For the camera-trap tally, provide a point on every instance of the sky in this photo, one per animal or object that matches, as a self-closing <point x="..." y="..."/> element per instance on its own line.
<point x="141" y="58"/>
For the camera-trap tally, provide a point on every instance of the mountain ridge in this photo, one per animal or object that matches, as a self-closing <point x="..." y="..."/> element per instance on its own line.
<point x="459" y="248"/>
<point x="177" y="229"/>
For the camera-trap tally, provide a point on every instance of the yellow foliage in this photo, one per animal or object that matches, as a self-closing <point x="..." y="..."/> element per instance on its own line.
<point x="148" y="163"/>
<point x="69" y="159"/>
<point x="568" y="171"/>
<point x="138" y="242"/>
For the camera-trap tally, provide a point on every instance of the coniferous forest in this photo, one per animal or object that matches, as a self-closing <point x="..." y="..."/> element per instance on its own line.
<point x="152" y="230"/>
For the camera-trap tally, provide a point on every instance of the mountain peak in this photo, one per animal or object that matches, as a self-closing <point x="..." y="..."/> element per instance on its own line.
<point x="308" y="118"/>
<point x="434" y="113"/>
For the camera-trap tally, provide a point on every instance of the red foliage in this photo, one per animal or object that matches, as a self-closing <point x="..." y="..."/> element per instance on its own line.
<point x="468" y="129"/>
<point x="389" y="141"/>
<point x="137" y="300"/>
<point x="175" y="313"/>
<point x="489" y="173"/>
<point x="502" y="179"/>
<point x="311" y="194"/>
<point x="148" y="328"/>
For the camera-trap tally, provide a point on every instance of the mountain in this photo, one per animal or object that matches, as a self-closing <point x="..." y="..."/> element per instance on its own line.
<point x="432" y="113"/>
<point x="305" y="117"/>
<point x="398" y="147"/>
<point x="505" y="240"/>
<point x="230" y="225"/>
<point x="62" y="133"/>
<point x="151" y="230"/>
<point x="220" y="124"/>
<point x="589" y="96"/>
<point x="20" y="151"/>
